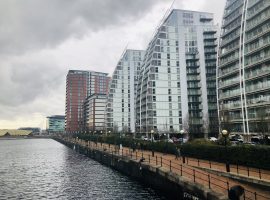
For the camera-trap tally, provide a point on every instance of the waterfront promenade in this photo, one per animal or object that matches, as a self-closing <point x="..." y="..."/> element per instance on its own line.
<point x="213" y="175"/>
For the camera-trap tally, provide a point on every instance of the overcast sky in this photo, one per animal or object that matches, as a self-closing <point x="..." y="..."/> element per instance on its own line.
<point x="41" y="40"/>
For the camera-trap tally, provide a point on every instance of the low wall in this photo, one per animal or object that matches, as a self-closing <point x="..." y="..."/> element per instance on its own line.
<point x="170" y="184"/>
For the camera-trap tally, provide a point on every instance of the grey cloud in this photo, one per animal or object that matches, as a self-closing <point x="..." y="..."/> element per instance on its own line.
<point x="33" y="24"/>
<point x="24" y="81"/>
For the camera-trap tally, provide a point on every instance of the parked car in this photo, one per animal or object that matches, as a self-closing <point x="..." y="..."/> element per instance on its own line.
<point x="170" y="140"/>
<point x="213" y="139"/>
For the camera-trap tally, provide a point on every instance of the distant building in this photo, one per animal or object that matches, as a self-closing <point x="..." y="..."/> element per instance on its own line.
<point x="94" y="113"/>
<point x="34" y="130"/>
<point x="122" y="93"/>
<point x="55" y="124"/>
<point x="79" y="85"/>
<point x="244" y="67"/>
<point x="177" y="84"/>
<point x="14" y="132"/>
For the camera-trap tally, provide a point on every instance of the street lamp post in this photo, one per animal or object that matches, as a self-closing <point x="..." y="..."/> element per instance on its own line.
<point x="152" y="140"/>
<point x="225" y="134"/>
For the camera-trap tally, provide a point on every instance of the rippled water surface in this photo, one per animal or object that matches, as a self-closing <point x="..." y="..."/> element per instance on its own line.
<point x="46" y="169"/>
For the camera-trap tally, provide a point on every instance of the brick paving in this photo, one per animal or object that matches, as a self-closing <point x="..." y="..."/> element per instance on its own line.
<point x="189" y="170"/>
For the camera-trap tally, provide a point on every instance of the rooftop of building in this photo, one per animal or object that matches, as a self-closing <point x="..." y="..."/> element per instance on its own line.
<point x="57" y="116"/>
<point x="14" y="132"/>
<point x="85" y="72"/>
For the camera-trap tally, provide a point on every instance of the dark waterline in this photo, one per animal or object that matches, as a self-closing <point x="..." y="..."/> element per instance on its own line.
<point x="46" y="169"/>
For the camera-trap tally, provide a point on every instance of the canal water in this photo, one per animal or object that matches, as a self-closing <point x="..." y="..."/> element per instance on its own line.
<point x="46" y="169"/>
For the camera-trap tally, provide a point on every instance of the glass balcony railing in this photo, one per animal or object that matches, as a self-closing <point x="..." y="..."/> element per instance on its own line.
<point x="228" y="82"/>
<point x="230" y="93"/>
<point x="258" y="86"/>
<point x="256" y="73"/>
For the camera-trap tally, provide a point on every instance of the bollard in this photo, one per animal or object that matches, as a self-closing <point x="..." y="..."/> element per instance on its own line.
<point x="227" y="167"/>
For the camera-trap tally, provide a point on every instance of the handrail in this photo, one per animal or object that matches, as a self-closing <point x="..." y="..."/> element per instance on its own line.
<point x="184" y="170"/>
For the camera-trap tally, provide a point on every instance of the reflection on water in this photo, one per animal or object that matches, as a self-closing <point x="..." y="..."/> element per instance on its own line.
<point x="46" y="169"/>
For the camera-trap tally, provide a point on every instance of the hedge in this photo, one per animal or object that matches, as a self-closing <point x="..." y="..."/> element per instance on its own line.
<point x="253" y="156"/>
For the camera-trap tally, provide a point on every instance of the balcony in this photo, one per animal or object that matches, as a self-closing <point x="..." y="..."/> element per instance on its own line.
<point x="258" y="87"/>
<point x="265" y="70"/>
<point x="224" y="84"/>
<point x="229" y="94"/>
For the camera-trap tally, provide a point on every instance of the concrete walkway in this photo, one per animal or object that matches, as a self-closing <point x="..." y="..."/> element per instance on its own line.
<point x="215" y="181"/>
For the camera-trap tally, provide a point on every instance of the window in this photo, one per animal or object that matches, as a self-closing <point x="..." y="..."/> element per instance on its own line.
<point x="178" y="84"/>
<point x="169" y="91"/>
<point x="170" y="98"/>
<point x="169" y="70"/>
<point x="156" y="70"/>
<point x="168" y="56"/>
<point x="154" y="98"/>
<point x="168" y="63"/>
<point x="177" y="63"/>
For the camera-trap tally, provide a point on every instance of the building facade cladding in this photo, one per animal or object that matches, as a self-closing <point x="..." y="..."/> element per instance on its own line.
<point x="79" y="85"/>
<point x="94" y="112"/>
<point x="177" y="83"/>
<point x="244" y="65"/>
<point x="56" y="123"/>
<point x="121" y="98"/>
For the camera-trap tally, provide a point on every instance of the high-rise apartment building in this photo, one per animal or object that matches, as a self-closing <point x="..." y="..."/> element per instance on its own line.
<point x="79" y="85"/>
<point x="94" y="113"/>
<point x="177" y="84"/>
<point x="122" y="92"/>
<point x="244" y="66"/>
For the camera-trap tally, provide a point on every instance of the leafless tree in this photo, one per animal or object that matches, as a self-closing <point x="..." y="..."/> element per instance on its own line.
<point x="205" y="127"/>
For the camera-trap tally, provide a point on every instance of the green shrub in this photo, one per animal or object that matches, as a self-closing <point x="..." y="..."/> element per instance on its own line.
<point x="247" y="155"/>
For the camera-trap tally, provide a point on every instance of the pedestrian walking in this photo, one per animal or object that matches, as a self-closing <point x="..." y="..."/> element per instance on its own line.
<point x="177" y="153"/>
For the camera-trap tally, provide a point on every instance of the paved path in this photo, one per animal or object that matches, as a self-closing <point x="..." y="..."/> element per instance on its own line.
<point x="189" y="170"/>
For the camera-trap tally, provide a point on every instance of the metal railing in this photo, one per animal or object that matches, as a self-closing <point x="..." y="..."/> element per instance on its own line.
<point x="183" y="167"/>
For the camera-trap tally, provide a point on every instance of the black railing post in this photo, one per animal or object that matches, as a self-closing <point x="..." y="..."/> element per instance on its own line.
<point x="260" y="175"/>
<point x="248" y="171"/>
<point x="170" y="165"/>
<point x="209" y="182"/>
<point x="161" y="161"/>
<point x="255" y="195"/>
<point x="228" y="187"/>
<point x="194" y="175"/>
<point x="156" y="161"/>
<point x="181" y="169"/>
<point x="149" y="158"/>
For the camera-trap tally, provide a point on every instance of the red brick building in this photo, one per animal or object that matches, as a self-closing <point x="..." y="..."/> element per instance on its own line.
<point x="79" y="85"/>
